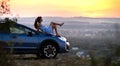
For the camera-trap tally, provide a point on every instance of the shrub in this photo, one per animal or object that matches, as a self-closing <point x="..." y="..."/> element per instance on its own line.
<point x="5" y="58"/>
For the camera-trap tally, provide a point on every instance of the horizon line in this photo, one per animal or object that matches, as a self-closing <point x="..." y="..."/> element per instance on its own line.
<point x="55" y="17"/>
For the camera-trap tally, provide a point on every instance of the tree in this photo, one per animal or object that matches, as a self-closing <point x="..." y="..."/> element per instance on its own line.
<point x="4" y="7"/>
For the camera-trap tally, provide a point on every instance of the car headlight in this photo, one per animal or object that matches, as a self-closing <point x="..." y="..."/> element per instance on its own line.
<point x="63" y="38"/>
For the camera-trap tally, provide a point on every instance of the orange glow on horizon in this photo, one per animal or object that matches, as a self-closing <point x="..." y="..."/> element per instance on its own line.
<point x="66" y="8"/>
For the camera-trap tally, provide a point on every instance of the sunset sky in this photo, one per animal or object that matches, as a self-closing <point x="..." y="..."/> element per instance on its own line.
<point x="66" y="8"/>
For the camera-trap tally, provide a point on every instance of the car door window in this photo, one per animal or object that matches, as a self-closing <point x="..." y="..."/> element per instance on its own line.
<point x="4" y="28"/>
<point x="17" y="30"/>
<point x="21" y="30"/>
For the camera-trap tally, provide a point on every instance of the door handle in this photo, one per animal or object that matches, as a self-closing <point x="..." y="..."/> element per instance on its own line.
<point x="14" y="37"/>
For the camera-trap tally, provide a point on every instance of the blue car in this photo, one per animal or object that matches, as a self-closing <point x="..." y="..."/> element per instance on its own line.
<point x="24" y="40"/>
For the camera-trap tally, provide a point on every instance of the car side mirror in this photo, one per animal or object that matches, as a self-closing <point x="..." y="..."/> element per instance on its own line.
<point x="29" y="33"/>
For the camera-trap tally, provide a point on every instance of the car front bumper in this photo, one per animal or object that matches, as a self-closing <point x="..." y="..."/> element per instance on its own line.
<point x="67" y="47"/>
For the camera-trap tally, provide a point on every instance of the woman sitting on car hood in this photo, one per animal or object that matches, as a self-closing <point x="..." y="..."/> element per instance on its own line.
<point x="40" y="27"/>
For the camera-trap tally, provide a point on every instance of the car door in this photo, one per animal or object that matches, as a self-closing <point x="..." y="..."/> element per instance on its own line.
<point x="24" y="39"/>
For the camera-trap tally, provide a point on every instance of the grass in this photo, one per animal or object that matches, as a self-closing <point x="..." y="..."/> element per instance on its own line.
<point x="63" y="61"/>
<point x="112" y="58"/>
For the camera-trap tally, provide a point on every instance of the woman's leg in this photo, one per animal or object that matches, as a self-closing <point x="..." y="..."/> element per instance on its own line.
<point x="59" y="24"/>
<point x="54" y="27"/>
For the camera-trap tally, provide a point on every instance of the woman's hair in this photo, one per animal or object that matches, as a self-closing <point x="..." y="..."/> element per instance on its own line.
<point x="37" y="20"/>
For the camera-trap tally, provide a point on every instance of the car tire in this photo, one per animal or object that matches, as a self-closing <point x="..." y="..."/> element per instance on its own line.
<point x="48" y="50"/>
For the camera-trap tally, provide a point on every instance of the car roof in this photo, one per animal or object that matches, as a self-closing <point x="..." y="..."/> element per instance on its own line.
<point x="4" y="27"/>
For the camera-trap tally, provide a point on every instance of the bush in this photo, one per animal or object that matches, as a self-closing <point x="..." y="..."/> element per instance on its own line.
<point x="6" y="59"/>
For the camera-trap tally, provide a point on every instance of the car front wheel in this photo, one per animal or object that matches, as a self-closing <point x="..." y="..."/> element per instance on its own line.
<point x="49" y="50"/>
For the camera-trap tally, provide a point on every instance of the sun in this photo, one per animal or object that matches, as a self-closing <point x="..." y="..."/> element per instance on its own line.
<point x="92" y="8"/>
